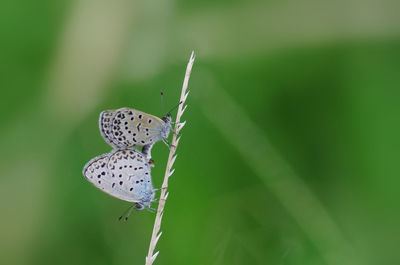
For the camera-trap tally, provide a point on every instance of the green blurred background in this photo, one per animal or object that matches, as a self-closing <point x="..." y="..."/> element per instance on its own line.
<point x="290" y="154"/>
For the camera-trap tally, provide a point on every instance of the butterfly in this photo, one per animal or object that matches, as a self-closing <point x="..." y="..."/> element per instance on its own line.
<point x="127" y="127"/>
<point x="123" y="174"/>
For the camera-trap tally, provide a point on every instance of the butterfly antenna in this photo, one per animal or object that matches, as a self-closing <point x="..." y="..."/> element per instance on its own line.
<point x="127" y="212"/>
<point x="177" y="105"/>
<point x="162" y="102"/>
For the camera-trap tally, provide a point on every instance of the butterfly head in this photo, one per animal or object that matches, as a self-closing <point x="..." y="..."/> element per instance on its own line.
<point x="167" y="118"/>
<point x="146" y="199"/>
<point x="139" y="206"/>
<point x="144" y="204"/>
<point x="167" y="126"/>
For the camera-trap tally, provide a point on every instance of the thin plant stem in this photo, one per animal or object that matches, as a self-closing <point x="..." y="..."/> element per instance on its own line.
<point x="169" y="171"/>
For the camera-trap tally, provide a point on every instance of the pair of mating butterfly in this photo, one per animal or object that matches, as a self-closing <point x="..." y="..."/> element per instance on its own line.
<point x="124" y="173"/>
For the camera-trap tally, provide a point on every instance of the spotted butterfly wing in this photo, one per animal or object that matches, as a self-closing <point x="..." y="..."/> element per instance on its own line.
<point x="105" y="122"/>
<point x="124" y="174"/>
<point x="128" y="127"/>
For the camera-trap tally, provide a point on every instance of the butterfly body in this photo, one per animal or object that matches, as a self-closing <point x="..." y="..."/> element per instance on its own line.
<point x="127" y="127"/>
<point x="124" y="174"/>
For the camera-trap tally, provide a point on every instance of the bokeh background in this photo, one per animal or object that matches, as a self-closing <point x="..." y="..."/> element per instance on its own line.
<point x="291" y="150"/>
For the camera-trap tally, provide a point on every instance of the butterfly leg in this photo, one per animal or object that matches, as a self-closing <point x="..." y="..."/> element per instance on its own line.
<point x="162" y="188"/>
<point x="152" y="210"/>
<point x="158" y="200"/>
<point x="165" y="141"/>
<point x="176" y="134"/>
<point x="168" y="143"/>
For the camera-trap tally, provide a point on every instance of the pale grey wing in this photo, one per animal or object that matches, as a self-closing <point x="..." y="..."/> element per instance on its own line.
<point x="96" y="171"/>
<point x="150" y="133"/>
<point x="132" y="127"/>
<point x="106" y="129"/>
<point x="130" y="176"/>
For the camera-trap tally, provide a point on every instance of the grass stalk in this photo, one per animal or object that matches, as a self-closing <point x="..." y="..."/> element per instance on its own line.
<point x="151" y="256"/>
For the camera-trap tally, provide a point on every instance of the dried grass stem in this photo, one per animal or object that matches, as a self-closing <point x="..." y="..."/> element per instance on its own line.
<point x="169" y="171"/>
